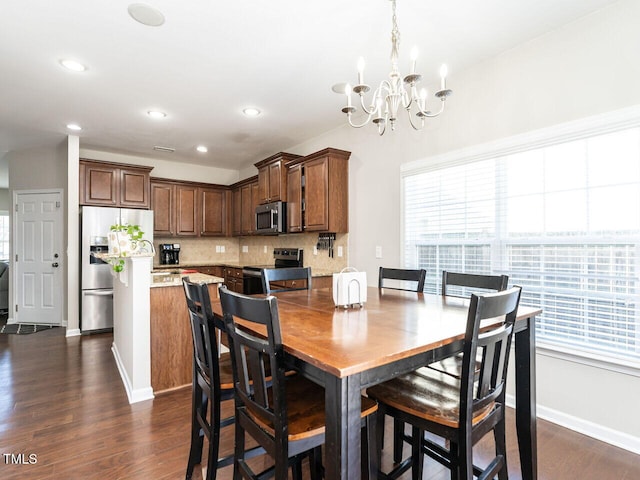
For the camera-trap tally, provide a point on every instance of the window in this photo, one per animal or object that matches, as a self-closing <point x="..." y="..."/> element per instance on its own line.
<point x="562" y="220"/>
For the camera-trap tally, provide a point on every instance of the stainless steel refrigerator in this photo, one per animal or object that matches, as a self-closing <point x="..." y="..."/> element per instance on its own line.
<point x="96" y="281"/>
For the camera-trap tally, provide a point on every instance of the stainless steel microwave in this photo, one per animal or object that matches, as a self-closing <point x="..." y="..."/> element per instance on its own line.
<point x="271" y="218"/>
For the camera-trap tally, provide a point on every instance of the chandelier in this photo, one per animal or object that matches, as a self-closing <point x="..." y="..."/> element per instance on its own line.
<point x="395" y="91"/>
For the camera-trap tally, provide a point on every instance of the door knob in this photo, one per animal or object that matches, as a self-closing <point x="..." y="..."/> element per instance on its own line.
<point x="55" y="264"/>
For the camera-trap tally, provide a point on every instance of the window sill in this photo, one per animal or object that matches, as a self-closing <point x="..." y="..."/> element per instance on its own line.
<point x="613" y="364"/>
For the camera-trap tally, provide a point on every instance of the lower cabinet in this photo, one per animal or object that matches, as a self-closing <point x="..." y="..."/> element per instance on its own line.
<point x="171" y="343"/>
<point x="233" y="279"/>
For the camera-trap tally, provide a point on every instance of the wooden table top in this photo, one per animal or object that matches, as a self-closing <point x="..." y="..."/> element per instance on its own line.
<point x="392" y="325"/>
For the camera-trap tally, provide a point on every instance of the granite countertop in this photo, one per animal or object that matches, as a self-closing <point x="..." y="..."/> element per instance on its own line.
<point x="315" y="272"/>
<point x="169" y="279"/>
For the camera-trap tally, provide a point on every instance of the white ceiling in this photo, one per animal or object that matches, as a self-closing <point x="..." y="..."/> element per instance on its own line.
<point x="211" y="59"/>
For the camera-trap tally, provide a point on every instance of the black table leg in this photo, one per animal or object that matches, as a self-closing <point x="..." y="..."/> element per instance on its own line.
<point x="342" y="438"/>
<point x="525" y="357"/>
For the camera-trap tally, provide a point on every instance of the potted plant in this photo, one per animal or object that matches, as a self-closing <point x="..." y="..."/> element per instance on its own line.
<point x="123" y="241"/>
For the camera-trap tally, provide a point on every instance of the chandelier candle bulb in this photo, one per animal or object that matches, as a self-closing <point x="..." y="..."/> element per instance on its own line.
<point x="414" y="57"/>
<point x="360" y="71"/>
<point x="443" y="77"/>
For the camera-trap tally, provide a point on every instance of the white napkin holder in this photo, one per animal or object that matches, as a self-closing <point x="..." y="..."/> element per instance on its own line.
<point x="349" y="288"/>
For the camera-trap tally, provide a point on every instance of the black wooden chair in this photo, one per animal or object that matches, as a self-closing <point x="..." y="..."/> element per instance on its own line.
<point x="460" y="410"/>
<point x="295" y="278"/>
<point x="415" y="276"/>
<point x="212" y="380"/>
<point x="413" y="280"/>
<point x="471" y="283"/>
<point x="286" y="417"/>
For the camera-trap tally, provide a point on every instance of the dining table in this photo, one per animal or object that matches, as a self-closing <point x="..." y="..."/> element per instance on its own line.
<point x="347" y="350"/>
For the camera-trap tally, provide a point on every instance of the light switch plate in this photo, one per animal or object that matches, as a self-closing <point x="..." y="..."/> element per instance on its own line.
<point x="339" y="250"/>
<point x="315" y="250"/>
<point x="245" y="249"/>
<point x="221" y="248"/>
<point x="217" y="248"/>
<point x="265" y="249"/>
<point x="378" y="251"/>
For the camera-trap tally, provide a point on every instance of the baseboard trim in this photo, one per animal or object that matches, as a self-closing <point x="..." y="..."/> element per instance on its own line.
<point x="73" y="332"/>
<point x="134" y="395"/>
<point x="599" y="432"/>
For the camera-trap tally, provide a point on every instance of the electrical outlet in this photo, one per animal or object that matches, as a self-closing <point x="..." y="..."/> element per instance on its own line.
<point x="315" y="249"/>
<point x="265" y="249"/>
<point x="245" y="249"/>
<point x="378" y="251"/>
<point x="217" y="248"/>
<point x="339" y="250"/>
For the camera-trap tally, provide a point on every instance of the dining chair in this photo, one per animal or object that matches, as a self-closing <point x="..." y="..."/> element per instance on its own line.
<point x="468" y="283"/>
<point x="416" y="277"/>
<point x="212" y="381"/>
<point x="478" y="283"/>
<point x="286" y="416"/>
<point x="295" y="278"/>
<point x="459" y="410"/>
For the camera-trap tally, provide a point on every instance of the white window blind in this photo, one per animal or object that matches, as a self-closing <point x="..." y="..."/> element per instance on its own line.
<point x="563" y="221"/>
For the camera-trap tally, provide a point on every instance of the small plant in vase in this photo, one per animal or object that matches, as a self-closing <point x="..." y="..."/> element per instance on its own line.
<point x="123" y="240"/>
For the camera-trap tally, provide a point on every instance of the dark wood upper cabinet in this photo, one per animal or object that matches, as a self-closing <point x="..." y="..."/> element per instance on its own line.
<point x="244" y="201"/>
<point x="294" y="199"/>
<point x="213" y="211"/>
<point x="272" y="177"/>
<point x="322" y="193"/>
<point x="163" y="206"/>
<point x="189" y="209"/>
<point x="134" y="188"/>
<point x="114" y="185"/>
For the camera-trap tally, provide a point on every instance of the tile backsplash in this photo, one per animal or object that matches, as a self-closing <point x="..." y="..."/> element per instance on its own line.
<point x="209" y="250"/>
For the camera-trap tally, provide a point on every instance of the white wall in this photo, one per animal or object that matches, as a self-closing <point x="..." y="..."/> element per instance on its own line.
<point x="585" y="68"/>
<point x="168" y="168"/>
<point x="38" y="169"/>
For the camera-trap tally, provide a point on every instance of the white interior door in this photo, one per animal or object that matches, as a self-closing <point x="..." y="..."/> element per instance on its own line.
<point x="38" y="258"/>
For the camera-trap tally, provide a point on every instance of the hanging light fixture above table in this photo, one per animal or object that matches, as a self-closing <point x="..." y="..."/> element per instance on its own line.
<point x="395" y="91"/>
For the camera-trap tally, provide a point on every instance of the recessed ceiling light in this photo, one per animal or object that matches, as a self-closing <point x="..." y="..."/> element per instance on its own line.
<point x="202" y="149"/>
<point x="72" y="65"/>
<point x="146" y="14"/>
<point x="156" y="114"/>
<point x="251" y="112"/>
<point x="74" y="126"/>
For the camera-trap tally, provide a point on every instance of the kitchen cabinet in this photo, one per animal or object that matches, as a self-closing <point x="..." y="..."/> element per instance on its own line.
<point x="163" y="206"/>
<point x="319" y="192"/>
<point x="188" y="209"/>
<point x="233" y="279"/>
<point x="272" y="177"/>
<point x="213" y="212"/>
<point x="294" y="199"/>
<point x="114" y="184"/>
<point x="245" y="199"/>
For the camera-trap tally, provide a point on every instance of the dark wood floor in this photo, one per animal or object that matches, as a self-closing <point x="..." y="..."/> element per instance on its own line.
<point x="63" y="405"/>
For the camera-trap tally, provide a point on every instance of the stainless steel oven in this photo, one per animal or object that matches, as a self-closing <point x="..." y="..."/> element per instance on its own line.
<point x="283" y="258"/>
<point x="271" y="218"/>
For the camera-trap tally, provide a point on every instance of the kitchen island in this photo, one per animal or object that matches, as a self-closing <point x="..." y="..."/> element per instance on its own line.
<point x="170" y="331"/>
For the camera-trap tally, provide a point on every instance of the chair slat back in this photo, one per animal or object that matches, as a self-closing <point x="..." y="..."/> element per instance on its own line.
<point x="203" y="330"/>
<point x="417" y="276"/>
<point x="472" y="282"/>
<point x="494" y="346"/>
<point x="283" y="274"/>
<point x="253" y="356"/>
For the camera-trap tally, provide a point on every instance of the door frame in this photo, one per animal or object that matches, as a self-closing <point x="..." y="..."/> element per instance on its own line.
<point x="60" y="233"/>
